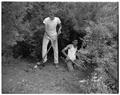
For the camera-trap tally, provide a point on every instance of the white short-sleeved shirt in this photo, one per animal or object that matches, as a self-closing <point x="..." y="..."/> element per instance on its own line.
<point x="50" y="25"/>
<point x="72" y="52"/>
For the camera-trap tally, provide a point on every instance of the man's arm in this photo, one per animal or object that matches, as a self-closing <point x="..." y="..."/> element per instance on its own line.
<point x="59" y="25"/>
<point x="63" y="50"/>
<point x="59" y="28"/>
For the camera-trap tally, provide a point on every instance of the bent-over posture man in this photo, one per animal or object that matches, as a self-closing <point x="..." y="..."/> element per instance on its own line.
<point x="50" y="34"/>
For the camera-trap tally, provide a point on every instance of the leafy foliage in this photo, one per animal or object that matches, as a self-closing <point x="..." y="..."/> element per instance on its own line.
<point x="96" y="23"/>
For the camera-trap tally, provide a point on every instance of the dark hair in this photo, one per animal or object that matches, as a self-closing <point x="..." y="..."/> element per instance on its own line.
<point x="74" y="40"/>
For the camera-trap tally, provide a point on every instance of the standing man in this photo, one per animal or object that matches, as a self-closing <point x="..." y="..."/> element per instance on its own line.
<point x="51" y="34"/>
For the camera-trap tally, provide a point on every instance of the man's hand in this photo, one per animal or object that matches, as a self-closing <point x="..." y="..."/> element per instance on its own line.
<point x="67" y="58"/>
<point x="59" y="31"/>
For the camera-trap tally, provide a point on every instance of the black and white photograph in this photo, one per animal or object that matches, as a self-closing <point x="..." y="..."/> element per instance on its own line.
<point x="59" y="47"/>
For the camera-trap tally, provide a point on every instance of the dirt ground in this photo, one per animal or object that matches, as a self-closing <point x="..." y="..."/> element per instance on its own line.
<point x="20" y="78"/>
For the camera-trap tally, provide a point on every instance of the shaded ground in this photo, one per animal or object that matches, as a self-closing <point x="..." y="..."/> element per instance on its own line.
<point x="16" y="78"/>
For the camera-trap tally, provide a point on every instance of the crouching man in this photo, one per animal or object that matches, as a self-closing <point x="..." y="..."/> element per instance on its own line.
<point x="71" y="56"/>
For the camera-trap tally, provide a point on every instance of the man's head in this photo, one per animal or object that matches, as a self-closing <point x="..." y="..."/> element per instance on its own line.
<point x="75" y="42"/>
<point x="51" y="15"/>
